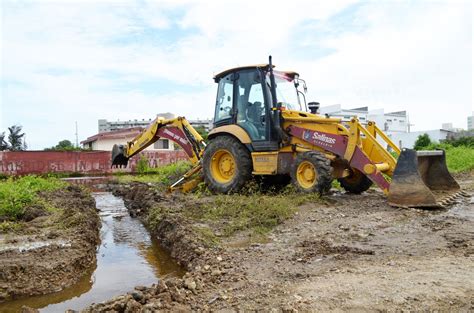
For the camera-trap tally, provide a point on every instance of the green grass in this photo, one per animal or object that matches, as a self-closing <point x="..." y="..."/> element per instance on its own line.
<point x="458" y="159"/>
<point x="251" y="211"/>
<point x="17" y="194"/>
<point x="163" y="175"/>
<point x="254" y="211"/>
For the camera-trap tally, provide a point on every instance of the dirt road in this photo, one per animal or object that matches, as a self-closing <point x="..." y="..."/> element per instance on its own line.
<point x="348" y="252"/>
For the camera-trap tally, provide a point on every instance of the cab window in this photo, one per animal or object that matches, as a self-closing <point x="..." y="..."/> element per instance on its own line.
<point x="251" y="112"/>
<point x="224" y="99"/>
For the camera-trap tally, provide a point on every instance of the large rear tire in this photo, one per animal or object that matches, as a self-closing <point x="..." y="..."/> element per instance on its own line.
<point x="312" y="172"/>
<point x="227" y="165"/>
<point x="357" y="182"/>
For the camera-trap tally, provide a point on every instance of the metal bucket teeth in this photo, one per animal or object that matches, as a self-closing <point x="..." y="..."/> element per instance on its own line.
<point x="452" y="199"/>
<point x="417" y="176"/>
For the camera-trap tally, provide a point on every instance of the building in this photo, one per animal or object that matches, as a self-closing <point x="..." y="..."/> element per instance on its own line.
<point x="206" y="123"/>
<point x="107" y="126"/>
<point x="407" y="140"/>
<point x="106" y="140"/>
<point x="393" y="122"/>
<point x="450" y="127"/>
<point x="396" y="125"/>
<point x="470" y="121"/>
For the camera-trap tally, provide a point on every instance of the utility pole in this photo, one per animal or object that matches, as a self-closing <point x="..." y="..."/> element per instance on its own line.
<point x="408" y="123"/>
<point x="77" y="138"/>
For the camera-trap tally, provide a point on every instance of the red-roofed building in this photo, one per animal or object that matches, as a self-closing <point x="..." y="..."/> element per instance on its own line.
<point x="106" y="140"/>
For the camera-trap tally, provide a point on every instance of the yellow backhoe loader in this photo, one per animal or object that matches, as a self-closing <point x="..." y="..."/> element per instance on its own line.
<point x="262" y="127"/>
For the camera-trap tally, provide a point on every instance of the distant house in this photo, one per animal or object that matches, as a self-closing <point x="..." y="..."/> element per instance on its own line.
<point x="106" y="140"/>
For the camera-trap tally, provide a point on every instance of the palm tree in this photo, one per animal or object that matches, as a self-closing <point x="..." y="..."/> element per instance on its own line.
<point x="3" y="143"/>
<point x="15" y="138"/>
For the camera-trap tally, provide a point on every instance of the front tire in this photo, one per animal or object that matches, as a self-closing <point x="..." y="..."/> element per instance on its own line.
<point x="312" y="172"/>
<point x="357" y="182"/>
<point x="227" y="165"/>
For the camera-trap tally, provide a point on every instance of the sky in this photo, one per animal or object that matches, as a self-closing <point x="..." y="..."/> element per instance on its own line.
<point x="64" y="62"/>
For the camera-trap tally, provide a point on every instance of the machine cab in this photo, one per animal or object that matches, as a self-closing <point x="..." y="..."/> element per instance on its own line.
<point x="244" y="98"/>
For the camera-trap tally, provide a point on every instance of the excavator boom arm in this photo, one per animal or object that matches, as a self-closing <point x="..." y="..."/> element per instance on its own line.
<point x="177" y="130"/>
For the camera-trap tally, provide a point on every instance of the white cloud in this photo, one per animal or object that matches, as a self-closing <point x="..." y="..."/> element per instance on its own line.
<point x="62" y="61"/>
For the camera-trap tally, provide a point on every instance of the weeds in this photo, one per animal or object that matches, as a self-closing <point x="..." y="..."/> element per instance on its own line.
<point x="207" y="235"/>
<point x="163" y="175"/>
<point x="251" y="210"/>
<point x="17" y="194"/>
<point x="458" y="159"/>
<point x="8" y="226"/>
<point x="459" y="152"/>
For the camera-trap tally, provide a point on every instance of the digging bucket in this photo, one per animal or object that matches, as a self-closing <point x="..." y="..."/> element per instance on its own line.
<point x="420" y="179"/>
<point x="118" y="156"/>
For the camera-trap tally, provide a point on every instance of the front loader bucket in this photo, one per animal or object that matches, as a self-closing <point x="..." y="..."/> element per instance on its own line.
<point x="421" y="179"/>
<point x="118" y="156"/>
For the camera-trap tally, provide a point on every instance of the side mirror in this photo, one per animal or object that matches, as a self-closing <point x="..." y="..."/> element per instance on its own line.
<point x="313" y="107"/>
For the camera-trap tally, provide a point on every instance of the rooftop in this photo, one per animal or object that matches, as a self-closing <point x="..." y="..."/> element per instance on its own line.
<point x="124" y="133"/>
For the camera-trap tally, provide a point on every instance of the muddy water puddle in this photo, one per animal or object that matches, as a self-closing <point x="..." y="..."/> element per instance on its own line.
<point x="127" y="257"/>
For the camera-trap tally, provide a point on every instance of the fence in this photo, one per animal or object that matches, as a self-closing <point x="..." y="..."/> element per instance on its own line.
<point x="83" y="162"/>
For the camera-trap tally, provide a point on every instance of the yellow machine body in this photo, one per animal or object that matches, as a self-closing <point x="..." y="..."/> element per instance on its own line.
<point x="312" y="149"/>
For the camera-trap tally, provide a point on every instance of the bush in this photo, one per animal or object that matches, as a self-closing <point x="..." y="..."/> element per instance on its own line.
<point x="17" y="194"/>
<point x="422" y="142"/>
<point x="462" y="141"/>
<point x="142" y="165"/>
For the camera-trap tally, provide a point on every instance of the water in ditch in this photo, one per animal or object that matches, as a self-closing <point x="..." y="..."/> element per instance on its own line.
<point x="127" y="257"/>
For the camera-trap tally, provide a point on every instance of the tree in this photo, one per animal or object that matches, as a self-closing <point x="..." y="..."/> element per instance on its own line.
<point x="202" y="131"/>
<point x="422" y="141"/>
<point x="63" y="145"/>
<point x="15" y="138"/>
<point x="3" y="143"/>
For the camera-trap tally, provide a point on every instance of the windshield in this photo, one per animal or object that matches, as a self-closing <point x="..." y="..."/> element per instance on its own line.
<point x="286" y="91"/>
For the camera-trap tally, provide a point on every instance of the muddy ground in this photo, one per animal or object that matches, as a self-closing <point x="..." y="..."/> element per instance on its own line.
<point x="348" y="252"/>
<point x="52" y="250"/>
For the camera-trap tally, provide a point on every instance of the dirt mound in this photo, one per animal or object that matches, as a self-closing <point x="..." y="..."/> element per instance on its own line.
<point x="53" y="250"/>
<point x="174" y="232"/>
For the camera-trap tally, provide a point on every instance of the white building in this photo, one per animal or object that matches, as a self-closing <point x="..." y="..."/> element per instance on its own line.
<point x="396" y="125"/>
<point x="107" y="126"/>
<point x="206" y="123"/>
<point x="470" y="121"/>
<point x="407" y="140"/>
<point x="105" y="141"/>
<point x="393" y="122"/>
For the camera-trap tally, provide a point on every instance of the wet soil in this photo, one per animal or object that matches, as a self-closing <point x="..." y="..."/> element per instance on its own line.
<point x="349" y="252"/>
<point x="127" y="256"/>
<point x="51" y="251"/>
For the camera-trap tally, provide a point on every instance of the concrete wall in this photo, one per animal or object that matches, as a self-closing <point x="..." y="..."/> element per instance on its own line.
<point x="84" y="162"/>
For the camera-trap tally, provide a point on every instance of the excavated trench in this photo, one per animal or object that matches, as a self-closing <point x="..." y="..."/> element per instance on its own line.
<point x="127" y="257"/>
